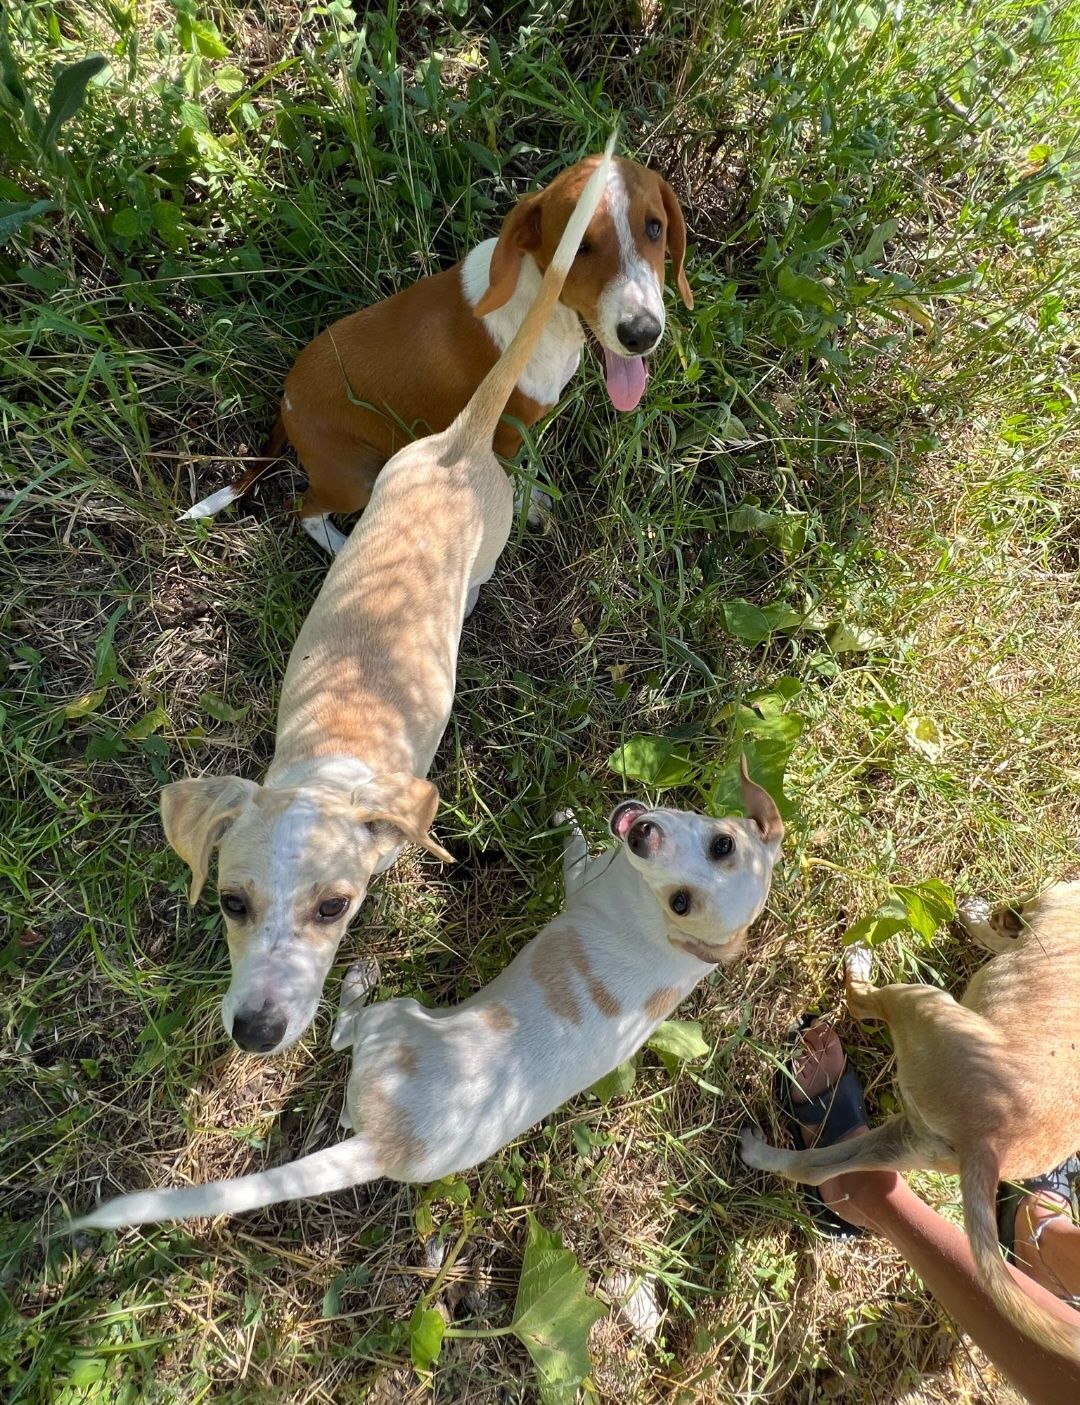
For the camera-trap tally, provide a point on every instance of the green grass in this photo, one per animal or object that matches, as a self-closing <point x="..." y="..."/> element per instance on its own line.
<point x="235" y="180"/>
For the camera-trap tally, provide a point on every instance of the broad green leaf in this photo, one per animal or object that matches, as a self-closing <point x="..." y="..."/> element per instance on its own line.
<point x="69" y="94"/>
<point x="656" y="761"/>
<point x="426" y="1328"/>
<point x="680" y="1038"/>
<point x="924" y="736"/>
<point x="785" y="530"/>
<point x="85" y="1371"/>
<point x="85" y="704"/>
<point x="875" y="245"/>
<point x="553" y="1314"/>
<point x="851" y="639"/>
<point x="800" y="287"/>
<point x="767" y="748"/>
<point x="890" y="918"/>
<point x="220" y="709"/>
<point x="620" y="1080"/>
<point x="920" y="909"/>
<point x="13" y="216"/>
<point x="755" y="623"/>
<point x="229" y="79"/>
<point x="105" y="748"/>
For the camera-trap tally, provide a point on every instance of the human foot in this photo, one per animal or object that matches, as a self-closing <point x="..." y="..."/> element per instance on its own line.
<point x="824" y="1102"/>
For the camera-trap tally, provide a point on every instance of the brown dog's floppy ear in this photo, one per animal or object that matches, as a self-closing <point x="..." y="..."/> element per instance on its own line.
<point x="676" y="241"/>
<point x="760" y="806"/>
<point x="405" y="801"/>
<point x="520" y="234"/>
<point x="195" y="815"/>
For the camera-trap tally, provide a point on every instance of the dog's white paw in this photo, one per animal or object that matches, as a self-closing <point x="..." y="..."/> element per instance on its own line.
<point x="540" y="514"/>
<point x="561" y="817"/>
<point x="754" y="1149"/>
<point x="356" y="985"/>
<point x="993" y="929"/>
<point x="858" y="963"/>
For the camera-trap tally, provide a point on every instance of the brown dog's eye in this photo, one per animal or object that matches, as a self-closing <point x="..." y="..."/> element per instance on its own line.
<point x="232" y="904"/>
<point x="331" y="908"/>
<point x="584" y="247"/>
<point x="680" y="903"/>
<point x="654" y="229"/>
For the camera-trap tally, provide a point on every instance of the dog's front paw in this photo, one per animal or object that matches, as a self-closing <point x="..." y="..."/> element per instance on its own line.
<point x="359" y="981"/>
<point x="754" y="1150"/>
<point x="564" y="817"/>
<point x="858" y="963"/>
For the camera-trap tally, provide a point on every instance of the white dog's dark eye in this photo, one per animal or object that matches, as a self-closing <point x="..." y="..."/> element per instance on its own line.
<point x="331" y="908"/>
<point x="232" y="904"/>
<point x="680" y="903"/>
<point x="721" y="846"/>
<point x="654" y="229"/>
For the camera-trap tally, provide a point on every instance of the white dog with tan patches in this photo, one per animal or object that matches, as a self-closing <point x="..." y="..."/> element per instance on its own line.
<point x="366" y="698"/>
<point x="436" y="1091"/>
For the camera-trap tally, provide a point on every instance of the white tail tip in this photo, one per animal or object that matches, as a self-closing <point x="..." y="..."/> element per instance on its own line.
<point x="211" y="506"/>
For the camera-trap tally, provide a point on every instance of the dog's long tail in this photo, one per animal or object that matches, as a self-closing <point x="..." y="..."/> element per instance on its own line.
<point x="979" y="1175"/>
<point x="478" y="421"/>
<point x="351" y="1162"/>
<point x="211" y="506"/>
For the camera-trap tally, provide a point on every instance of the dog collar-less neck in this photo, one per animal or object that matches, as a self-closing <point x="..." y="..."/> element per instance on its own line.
<point x="692" y="947"/>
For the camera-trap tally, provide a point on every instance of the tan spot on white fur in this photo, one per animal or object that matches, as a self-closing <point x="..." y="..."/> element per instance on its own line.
<point x="558" y="957"/>
<point x="498" y="1017"/>
<point x="661" y="1002"/>
<point x="387" y="1127"/>
<point x="406" y="1058"/>
<point x="551" y="968"/>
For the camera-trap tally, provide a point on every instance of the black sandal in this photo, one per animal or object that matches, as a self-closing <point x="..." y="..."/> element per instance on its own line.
<point x="835" y="1111"/>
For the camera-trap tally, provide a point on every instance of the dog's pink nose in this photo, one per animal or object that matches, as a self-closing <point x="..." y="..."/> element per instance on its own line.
<point x="645" y="838"/>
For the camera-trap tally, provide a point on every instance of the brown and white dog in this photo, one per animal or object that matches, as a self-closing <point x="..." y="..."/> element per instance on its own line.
<point x="366" y="698"/>
<point x="990" y="1084"/>
<point x="436" y="1091"/>
<point x="406" y="366"/>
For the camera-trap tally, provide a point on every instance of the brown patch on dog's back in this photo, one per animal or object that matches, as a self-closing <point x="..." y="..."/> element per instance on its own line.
<point x="388" y="1128"/>
<point x="661" y="1002"/>
<point x="557" y="956"/>
<point x="406" y="1058"/>
<point x="498" y="1017"/>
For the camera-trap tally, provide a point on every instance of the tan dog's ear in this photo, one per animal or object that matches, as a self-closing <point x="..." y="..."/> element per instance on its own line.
<point x="676" y="241"/>
<point x="520" y="234"/>
<point x="195" y="815"/>
<point x="760" y="806"/>
<point x="405" y="801"/>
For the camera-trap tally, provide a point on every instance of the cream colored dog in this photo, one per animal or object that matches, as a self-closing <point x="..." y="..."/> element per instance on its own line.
<point x="436" y="1091"/>
<point x="991" y="1086"/>
<point x="366" y="698"/>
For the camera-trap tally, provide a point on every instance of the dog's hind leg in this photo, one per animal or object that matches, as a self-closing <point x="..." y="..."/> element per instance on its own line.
<point x="995" y="929"/>
<point x="575" y="854"/>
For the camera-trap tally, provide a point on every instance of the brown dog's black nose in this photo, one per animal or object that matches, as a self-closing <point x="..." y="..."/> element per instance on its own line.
<point x="259" y="1031"/>
<point x="645" y="838"/>
<point x="639" y="334"/>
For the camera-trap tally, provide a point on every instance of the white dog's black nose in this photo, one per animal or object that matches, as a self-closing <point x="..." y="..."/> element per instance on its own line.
<point x="259" y="1031"/>
<point x="644" y="838"/>
<point x="640" y="333"/>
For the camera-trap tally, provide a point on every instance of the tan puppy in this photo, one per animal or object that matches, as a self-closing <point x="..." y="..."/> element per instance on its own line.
<point x="991" y="1086"/>
<point x="365" y="701"/>
<point x="407" y="365"/>
<point x="436" y="1091"/>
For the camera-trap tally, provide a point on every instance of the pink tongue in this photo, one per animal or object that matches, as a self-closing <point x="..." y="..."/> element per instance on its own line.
<point x="626" y="377"/>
